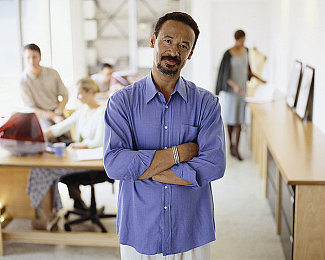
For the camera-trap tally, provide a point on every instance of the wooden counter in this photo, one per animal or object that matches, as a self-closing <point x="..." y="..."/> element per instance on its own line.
<point x="298" y="147"/>
<point x="298" y="150"/>
<point x="48" y="160"/>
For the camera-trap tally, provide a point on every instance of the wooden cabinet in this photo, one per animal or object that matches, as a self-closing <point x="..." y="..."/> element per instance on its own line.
<point x="271" y="184"/>
<point x="286" y="239"/>
<point x="281" y="199"/>
<point x="287" y="204"/>
<point x="290" y="155"/>
<point x="287" y="195"/>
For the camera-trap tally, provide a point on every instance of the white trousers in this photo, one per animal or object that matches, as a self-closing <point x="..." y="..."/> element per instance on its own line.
<point x="199" y="253"/>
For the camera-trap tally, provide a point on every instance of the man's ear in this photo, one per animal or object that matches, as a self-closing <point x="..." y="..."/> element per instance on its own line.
<point x="152" y="40"/>
<point x="191" y="53"/>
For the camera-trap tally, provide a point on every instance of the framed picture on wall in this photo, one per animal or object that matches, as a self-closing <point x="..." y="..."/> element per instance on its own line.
<point x="294" y="84"/>
<point x="305" y="97"/>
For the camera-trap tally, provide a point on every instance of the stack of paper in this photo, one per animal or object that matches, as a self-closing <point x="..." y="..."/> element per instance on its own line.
<point x="87" y="154"/>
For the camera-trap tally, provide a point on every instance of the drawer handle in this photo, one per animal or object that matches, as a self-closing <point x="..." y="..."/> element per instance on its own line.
<point x="291" y="239"/>
<point x="292" y="199"/>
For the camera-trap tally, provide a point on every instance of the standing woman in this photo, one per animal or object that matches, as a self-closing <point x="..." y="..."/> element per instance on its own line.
<point x="233" y="74"/>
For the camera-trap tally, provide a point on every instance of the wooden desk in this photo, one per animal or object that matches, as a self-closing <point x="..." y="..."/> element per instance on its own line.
<point x="298" y="149"/>
<point x="14" y="172"/>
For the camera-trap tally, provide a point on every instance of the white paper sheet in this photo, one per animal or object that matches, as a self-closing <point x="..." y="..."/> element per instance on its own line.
<point x="87" y="154"/>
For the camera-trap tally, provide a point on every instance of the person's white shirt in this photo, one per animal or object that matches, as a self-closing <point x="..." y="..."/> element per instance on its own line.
<point x="89" y="124"/>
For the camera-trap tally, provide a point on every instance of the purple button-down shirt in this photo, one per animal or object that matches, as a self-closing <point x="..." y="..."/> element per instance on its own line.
<point x="154" y="217"/>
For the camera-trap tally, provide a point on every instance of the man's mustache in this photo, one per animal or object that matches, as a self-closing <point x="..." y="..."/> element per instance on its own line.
<point x="171" y="58"/>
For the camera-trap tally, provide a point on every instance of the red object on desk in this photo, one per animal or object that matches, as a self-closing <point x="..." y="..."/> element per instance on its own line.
<point x="22" y="127"/>
<point x="22" y="134"/>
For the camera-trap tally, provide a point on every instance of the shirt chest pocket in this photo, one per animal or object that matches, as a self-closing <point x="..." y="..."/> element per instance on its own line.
<point x="188" y="133"/>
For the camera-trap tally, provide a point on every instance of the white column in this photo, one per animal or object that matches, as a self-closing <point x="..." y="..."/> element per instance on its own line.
<point x="199" y="68"/>
<point x="133" y="40"/>
<point x="68" y="45"/>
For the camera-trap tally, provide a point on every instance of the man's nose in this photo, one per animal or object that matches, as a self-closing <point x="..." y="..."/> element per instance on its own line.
<point x="175" y="50"/>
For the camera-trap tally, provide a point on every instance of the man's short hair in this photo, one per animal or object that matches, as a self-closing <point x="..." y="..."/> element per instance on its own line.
<point x="178" y="16"/>
<point x="106" y="65"/>
<point x="239" y="34"/>
<point x="33" y="47"/>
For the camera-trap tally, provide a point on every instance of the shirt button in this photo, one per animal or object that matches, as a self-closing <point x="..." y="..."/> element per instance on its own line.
<point x="166" y="127"/>
<point x="165" y="207"/>
<point x="166" y="107"/>
<point x="165" y="187"/>
<point x="165" y="147"/>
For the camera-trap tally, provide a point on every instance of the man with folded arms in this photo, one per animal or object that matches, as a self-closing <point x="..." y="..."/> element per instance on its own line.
<point x="164" y="141"/>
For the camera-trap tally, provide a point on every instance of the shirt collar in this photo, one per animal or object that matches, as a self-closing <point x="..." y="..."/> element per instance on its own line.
<point x="32" y="75"/>
<point x="151" y="89"/>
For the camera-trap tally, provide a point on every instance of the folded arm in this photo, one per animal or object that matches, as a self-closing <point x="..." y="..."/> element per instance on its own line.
<point x="210" y="163"/>
<point x="120" y="147"/>
<point x="159" y="168"/>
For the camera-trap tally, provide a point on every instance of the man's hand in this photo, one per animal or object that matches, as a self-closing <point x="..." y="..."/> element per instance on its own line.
<point x="170" y="177"/>
<point x="78" y="146"/>
<point x="46" y="114"/>
<point x="164" y="159"/>
<point x="239" y="90"/>
<point x="187" y="151"/>
<point x="48" y="133"/>
<point x="57" y="119"/>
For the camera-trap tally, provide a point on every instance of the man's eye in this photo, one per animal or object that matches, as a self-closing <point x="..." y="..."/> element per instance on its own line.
<point x="183" y="46"/>
<point x="168" y="41"/>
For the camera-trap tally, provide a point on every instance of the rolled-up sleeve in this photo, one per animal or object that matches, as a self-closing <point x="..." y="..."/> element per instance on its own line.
<point x="122" y="161"/>
<point x="210" y="164"/>
<point x="62" y="89"/>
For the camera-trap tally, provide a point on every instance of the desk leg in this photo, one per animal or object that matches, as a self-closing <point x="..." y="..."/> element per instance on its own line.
<point x="251" y="140"/>
<point x="278" y="203"/>
<point x="262" y="158"/>
<point x="13" y="192"/>
<point x="309" y="227"/>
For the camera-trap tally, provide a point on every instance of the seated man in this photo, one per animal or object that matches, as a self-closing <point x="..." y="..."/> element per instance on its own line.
<point x="103" y="77"/>
<point x="41" y="87"/>
<point x="109" y="81"/>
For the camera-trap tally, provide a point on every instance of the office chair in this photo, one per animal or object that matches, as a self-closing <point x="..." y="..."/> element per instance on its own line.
<point x="92" y="213"/>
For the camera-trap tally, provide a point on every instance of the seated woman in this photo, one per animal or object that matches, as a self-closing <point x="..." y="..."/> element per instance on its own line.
<point x="42" y="187"/>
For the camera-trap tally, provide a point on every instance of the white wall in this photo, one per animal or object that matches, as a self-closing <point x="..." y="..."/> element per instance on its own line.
<point x="9" y="48"/>
<point x="218" y="20"/>
<point x="252" y="16"/>
<point x="298" y="32"/>
<point x="36" y="27"/>
<point x="10" y="56"/>
<point x="284" y="30"/>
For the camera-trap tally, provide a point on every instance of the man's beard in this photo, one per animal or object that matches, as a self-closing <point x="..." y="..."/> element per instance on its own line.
<point x="168" y="72"/>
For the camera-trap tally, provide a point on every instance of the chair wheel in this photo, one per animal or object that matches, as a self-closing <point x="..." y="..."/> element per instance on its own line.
<point x="67" y="227"/>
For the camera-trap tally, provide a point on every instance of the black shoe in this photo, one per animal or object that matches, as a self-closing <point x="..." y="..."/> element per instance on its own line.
<point x="79" y="204"/>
